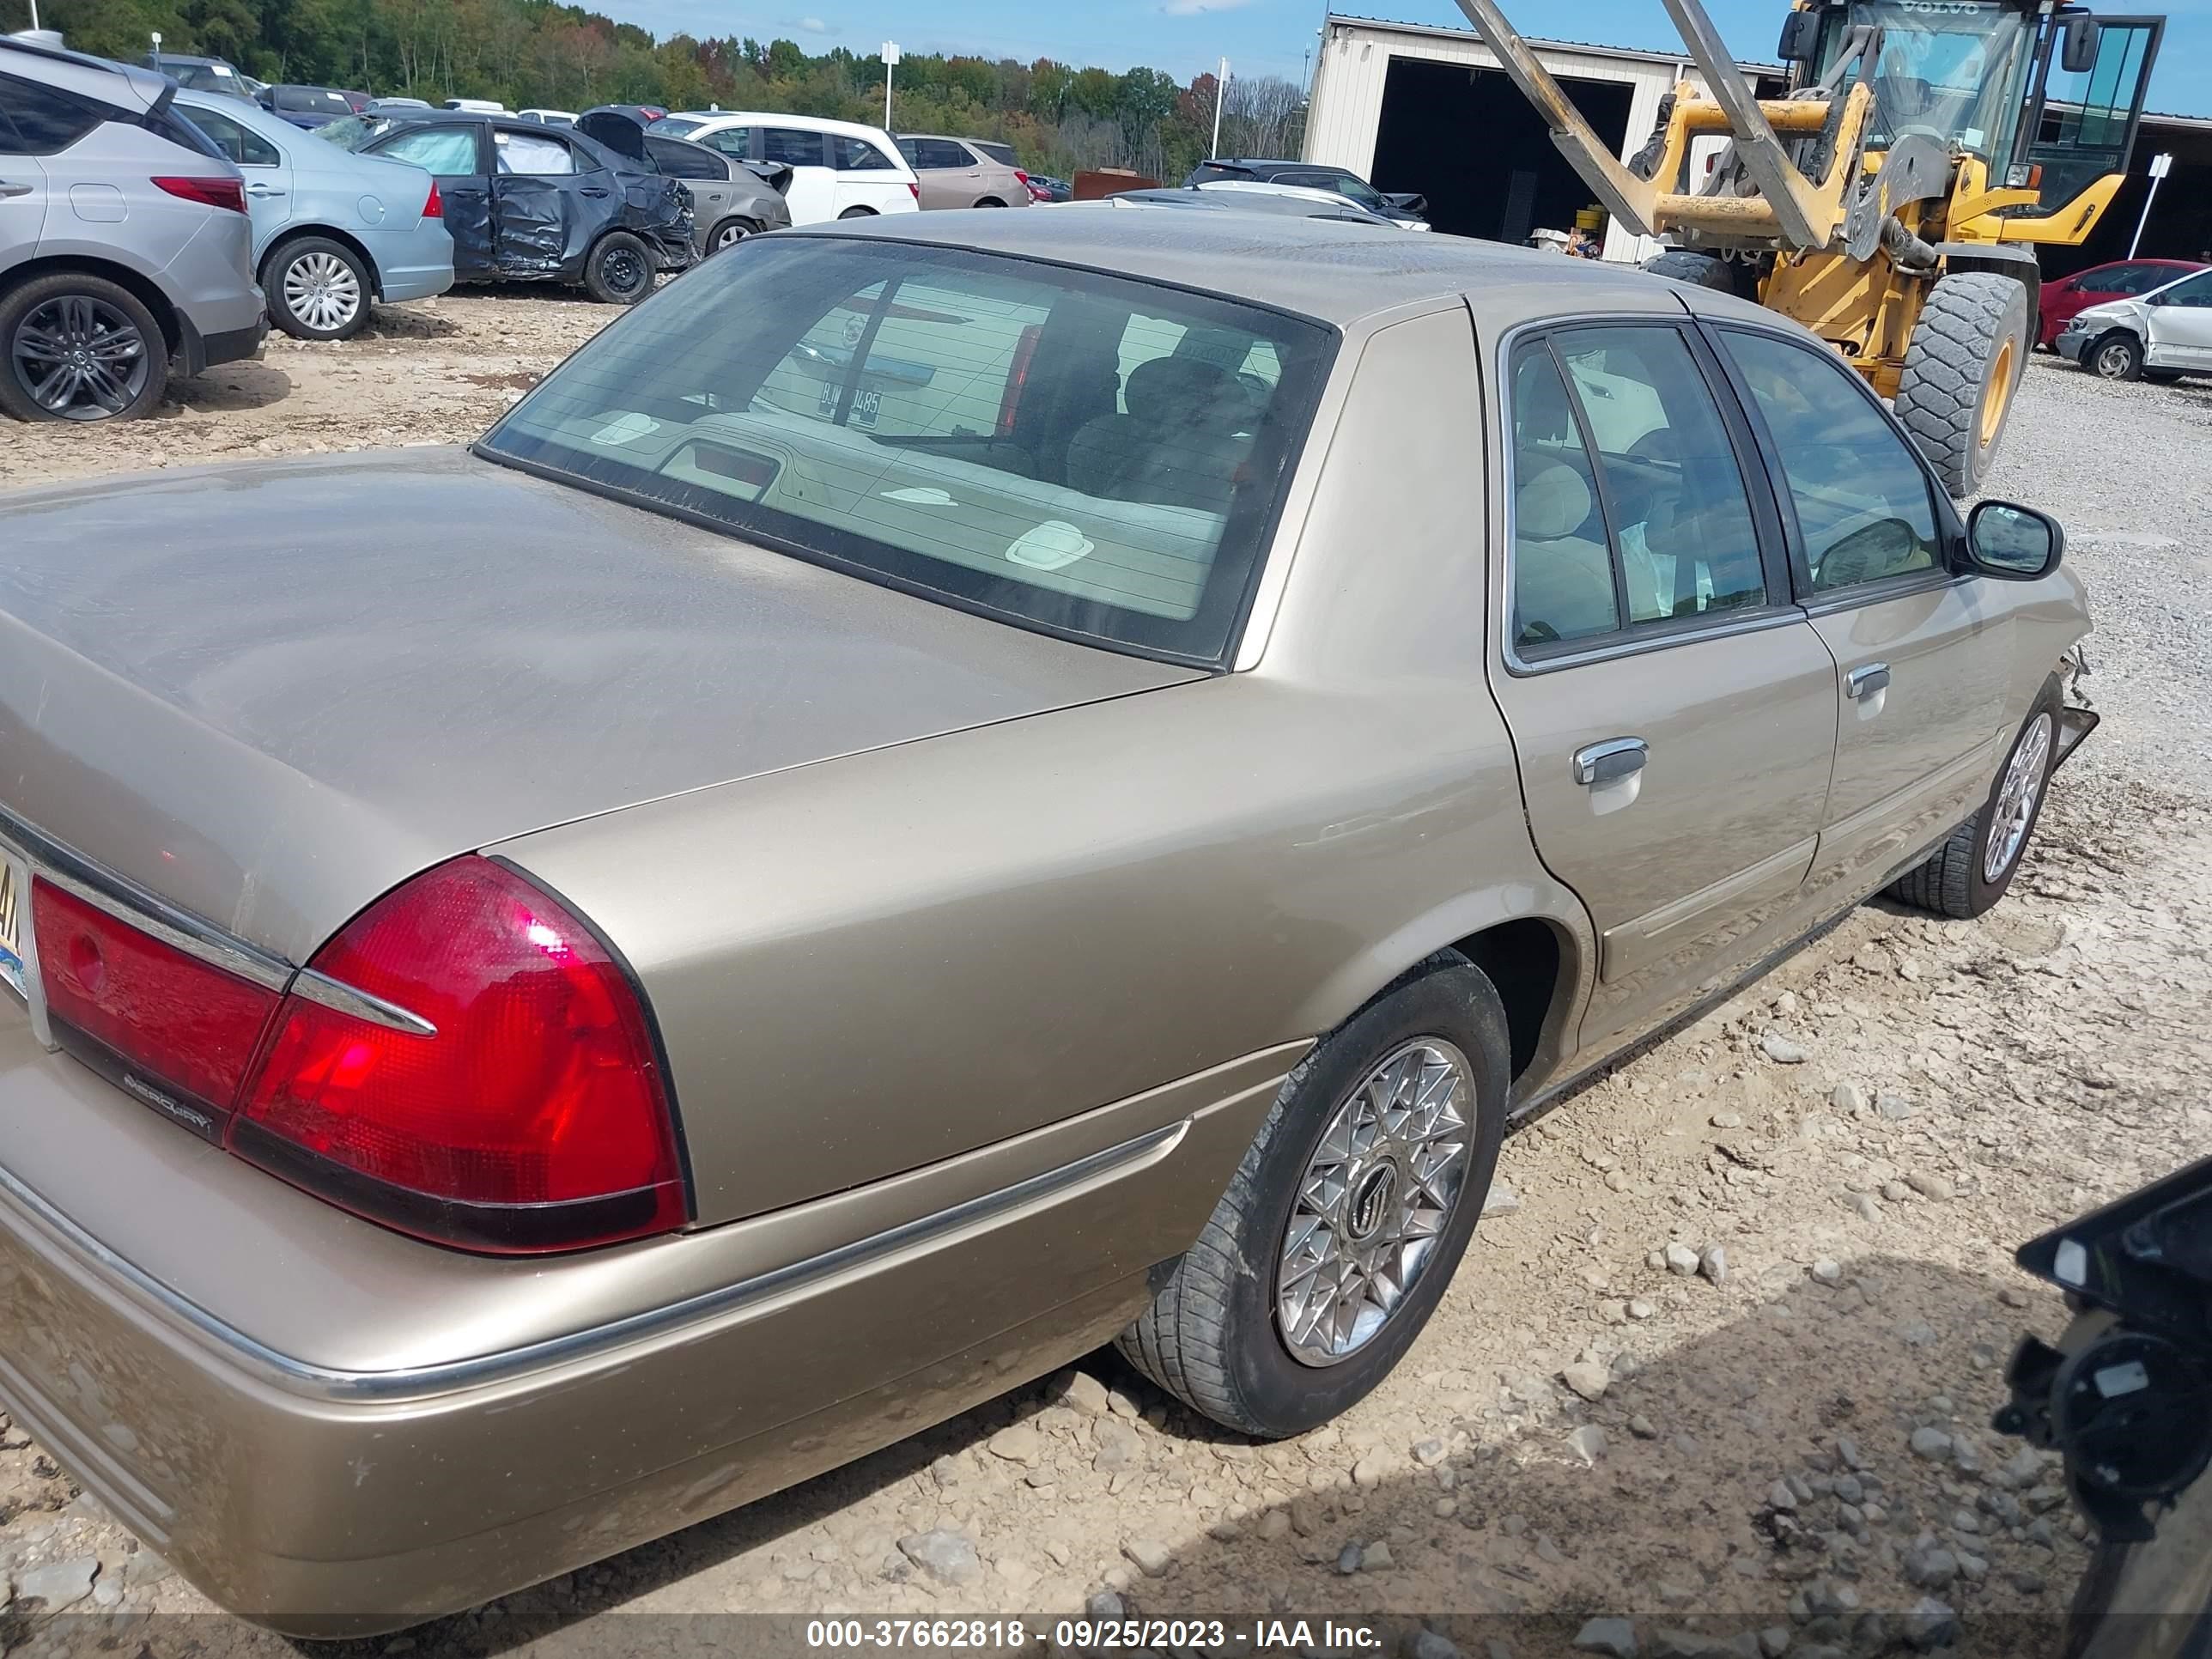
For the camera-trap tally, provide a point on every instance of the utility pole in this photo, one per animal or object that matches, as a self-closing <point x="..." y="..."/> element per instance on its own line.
<point x="891" y="63"/>
<point x="2159" y="167"/>
<point x="1220" y="91"/>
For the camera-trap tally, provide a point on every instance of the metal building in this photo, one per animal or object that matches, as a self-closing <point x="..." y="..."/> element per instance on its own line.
<point x="1418" y="108"/>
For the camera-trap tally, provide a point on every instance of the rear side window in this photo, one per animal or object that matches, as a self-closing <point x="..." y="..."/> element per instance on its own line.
<point x="1630" y="507"/>
<point x="792" y="146"/>
<point x="448" y="152"/>
<point x="850" y="155"/>
<point x="41" y="120"/>
<point x="245" y="148"/>
<point x="1062" y="448"/>
<point x="680" y="160"/>
<point x="1864" y="508"/>
<point x="527" y="153"/>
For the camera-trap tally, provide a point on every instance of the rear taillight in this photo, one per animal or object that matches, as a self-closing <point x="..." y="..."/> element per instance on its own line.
<point x="175" y="1031"/>
<point x="215" y="192"/>
<point x="434" y="206"/>
<point x="913" y="188"/>
<point x="1019" y="174"/>
<point x="505" y="1095"/>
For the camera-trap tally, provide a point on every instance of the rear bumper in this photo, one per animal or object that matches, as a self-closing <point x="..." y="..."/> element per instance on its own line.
<point x="409" y="1448"/>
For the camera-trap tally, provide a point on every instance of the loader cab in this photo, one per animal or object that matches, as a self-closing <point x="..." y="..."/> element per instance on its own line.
<point x="2047" y="100"/>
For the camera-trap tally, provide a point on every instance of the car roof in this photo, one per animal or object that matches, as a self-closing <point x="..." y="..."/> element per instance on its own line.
<point x="804" y="123"/>
<point x="1332" y="271"/>
<point x="76" y="71"/>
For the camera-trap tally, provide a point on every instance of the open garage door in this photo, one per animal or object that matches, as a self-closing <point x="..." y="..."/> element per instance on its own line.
<point x="1469" y="141"/>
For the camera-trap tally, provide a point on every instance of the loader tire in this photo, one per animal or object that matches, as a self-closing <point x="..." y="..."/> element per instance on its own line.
<point x="1698" y="270"/>
<point x="1961" y="368"/>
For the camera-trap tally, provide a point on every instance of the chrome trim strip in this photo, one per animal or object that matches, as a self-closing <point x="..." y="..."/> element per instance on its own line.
<point x="731" y="1301"/>
<point x="128" y="902"/>
<point x="317" y="987"/>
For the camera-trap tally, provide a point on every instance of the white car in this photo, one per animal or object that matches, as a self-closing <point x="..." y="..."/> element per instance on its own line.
<point x="2159" y="336"/>
<point x="548" y="118"/>
<point x="478" y="106"/>
<point x="839" y="169"/>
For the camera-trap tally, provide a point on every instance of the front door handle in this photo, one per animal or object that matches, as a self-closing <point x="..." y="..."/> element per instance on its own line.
<point x="263" y="190"/>
<point x="1865" y="682"/>
<point x="7" y="189"/>
<point x="1610" y="761"/>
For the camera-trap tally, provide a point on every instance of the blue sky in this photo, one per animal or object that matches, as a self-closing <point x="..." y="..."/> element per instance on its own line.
<point x="1270" y="37"/>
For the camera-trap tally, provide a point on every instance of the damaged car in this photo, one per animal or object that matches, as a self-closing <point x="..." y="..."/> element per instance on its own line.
<point x="525" y="203"/>
<point x="731" y="199"/>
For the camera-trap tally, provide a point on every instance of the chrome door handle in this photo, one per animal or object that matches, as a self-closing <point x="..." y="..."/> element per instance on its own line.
<point x="7" y="189"/>
<point x="1610" y="761"/>
<point x="263" y="190"/>
<point x="1865" y="682"/>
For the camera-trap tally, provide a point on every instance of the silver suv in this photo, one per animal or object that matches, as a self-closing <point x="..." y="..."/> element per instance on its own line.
<point x="125" y="252"/>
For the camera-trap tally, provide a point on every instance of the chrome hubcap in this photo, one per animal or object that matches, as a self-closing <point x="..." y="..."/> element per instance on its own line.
<point x="321" y="290"/>
<point x="730" y="235"/>
<point x="2112" y="361"/>
<point x="1375" y="1199"/>
<point x="2016" y="798"/>
<point x="79" y="358"/>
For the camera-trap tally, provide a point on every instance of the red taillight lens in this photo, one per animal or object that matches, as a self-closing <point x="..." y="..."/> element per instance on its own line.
<point x="434" y="206"/>
<point x="913" y="188"/>
<point x="532" y="1118"/>
<point x="215" y="192"/>
<point x="168" y="1028"/>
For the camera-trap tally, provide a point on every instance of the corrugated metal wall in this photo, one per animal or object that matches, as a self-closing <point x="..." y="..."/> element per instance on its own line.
<point x="1346" y="109"/>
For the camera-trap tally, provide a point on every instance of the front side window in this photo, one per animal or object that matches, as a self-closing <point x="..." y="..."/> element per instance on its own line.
<point x="850" y="155"/>
<point x="792" y="146"/>
<point x="1064" y="449"/>
<point x="2196" y="292"/>
<point x="447" y="152"/>
<point x="1630" y="505"/>
<point x="527" y="153"/>
<point x="1864" y="508"/>
<point x="246" y="149"/>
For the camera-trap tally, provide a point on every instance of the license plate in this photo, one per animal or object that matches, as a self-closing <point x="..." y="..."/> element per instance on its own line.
<point x="11" y="959"/>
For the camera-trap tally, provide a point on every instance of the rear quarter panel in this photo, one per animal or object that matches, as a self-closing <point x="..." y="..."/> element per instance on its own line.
<point x="874" y="964"/>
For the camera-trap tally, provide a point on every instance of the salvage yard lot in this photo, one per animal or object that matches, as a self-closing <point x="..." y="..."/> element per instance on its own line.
<point x="1845" y="1156"/>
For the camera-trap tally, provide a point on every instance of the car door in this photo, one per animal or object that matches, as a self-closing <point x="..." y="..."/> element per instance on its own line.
<point x="1921" y="651"/>
<point x="22" y="194"/>
<point x="2181" y="325"/>
<point x="870" y="181"/>
<point x="813" y="193"/>
<point x="542" y="186"/>
<point x="937" y="168"/>
<point x="706" y="175"/>
<point x="453" y="153"/>
<point x="267" y="172"/>
<point x="1672" y="710"/>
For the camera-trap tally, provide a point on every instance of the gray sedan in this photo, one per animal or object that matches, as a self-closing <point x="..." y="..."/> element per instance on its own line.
<point x="908" y="811"/>
<point x="332" y="231"/>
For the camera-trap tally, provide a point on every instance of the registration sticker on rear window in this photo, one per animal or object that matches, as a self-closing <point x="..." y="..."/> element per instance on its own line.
<point x="11" y="959"/>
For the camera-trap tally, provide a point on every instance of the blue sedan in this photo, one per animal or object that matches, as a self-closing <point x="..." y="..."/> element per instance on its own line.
<point x="332" y="230"/>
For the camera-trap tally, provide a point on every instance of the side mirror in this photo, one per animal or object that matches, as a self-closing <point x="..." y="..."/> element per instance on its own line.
<point x="2077" y="53"/>
<point x="2013" y="543"/>
<point x="1801" y="37"/>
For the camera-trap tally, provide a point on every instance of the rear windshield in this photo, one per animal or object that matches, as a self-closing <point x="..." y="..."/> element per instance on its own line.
<point x="1070" y="450"/>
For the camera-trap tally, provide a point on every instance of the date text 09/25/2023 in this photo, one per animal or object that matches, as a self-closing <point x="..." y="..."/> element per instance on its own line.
<point x="1093" y="1635"/>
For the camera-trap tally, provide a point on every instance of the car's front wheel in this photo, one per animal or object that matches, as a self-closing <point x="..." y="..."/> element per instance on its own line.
<point x="79" y="347"/>
<point x="1973" y="869"/>
<point x="619" y="270"/>
<point x="2117" y="357"/>
<point x="1343" y="1225"/>
<point x="317" y="289"/>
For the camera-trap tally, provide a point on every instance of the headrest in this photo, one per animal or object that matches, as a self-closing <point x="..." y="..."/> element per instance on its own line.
<point x="1551" y="501"/>
<point x="1181" y="389"/>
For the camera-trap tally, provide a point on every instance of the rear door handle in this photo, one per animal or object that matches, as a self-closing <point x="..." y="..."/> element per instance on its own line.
<point x="591" y="190"/>
<point x="263" y="190"/>
<point x="7" y="189"/>
<point x="1865" y="682"/>
<point x="1610" y="761"/>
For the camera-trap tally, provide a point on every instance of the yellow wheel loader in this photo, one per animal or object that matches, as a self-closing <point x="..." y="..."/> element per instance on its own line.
<point x="1893" y="202"/>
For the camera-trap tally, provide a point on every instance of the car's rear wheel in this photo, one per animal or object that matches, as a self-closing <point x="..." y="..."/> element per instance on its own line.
<point x="79" y="347"/>
<point x="2117" y="357"/>
<point x="990" y="200"/>
<point x="619" y="270"/>
<point x="730" y="232"/>
<point x="1342" y="1227"/>
<point x="858" y="212"/>
<point x="1974" y="868"/>
<point x="317" y="289"/>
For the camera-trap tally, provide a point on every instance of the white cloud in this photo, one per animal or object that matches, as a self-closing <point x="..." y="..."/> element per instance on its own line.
<point x="814" y="26"/>
<point x="1201" y="8"/>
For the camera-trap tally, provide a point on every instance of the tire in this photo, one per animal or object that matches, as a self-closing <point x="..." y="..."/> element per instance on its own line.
<point x="46" y="322"/>
<point x="618" y="271"/>
<point x="728" y="234"/>
<point x="1698" y="270"/>
<point x="1967" y="875"/>
<point x="990" y="200"/>
<point x="1212" y="1336"/>
<point x="318" y="289"/>
<point x="2118" y="356"/>
<point x="1961" y="367"/>
<point x="858" y="212"/>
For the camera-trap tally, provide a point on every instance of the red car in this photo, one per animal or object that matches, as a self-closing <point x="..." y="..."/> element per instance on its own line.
<point x="2121" y="280"/>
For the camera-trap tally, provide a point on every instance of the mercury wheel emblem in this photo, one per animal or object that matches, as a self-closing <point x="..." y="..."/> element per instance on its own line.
<point x="1371" y="1202"/>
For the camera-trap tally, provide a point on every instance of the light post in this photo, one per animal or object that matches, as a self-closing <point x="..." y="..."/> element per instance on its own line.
<point x="1220" y="91"/>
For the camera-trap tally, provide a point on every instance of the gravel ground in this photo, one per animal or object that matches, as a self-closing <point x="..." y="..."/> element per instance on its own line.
<point x="1784" y="1449"/>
